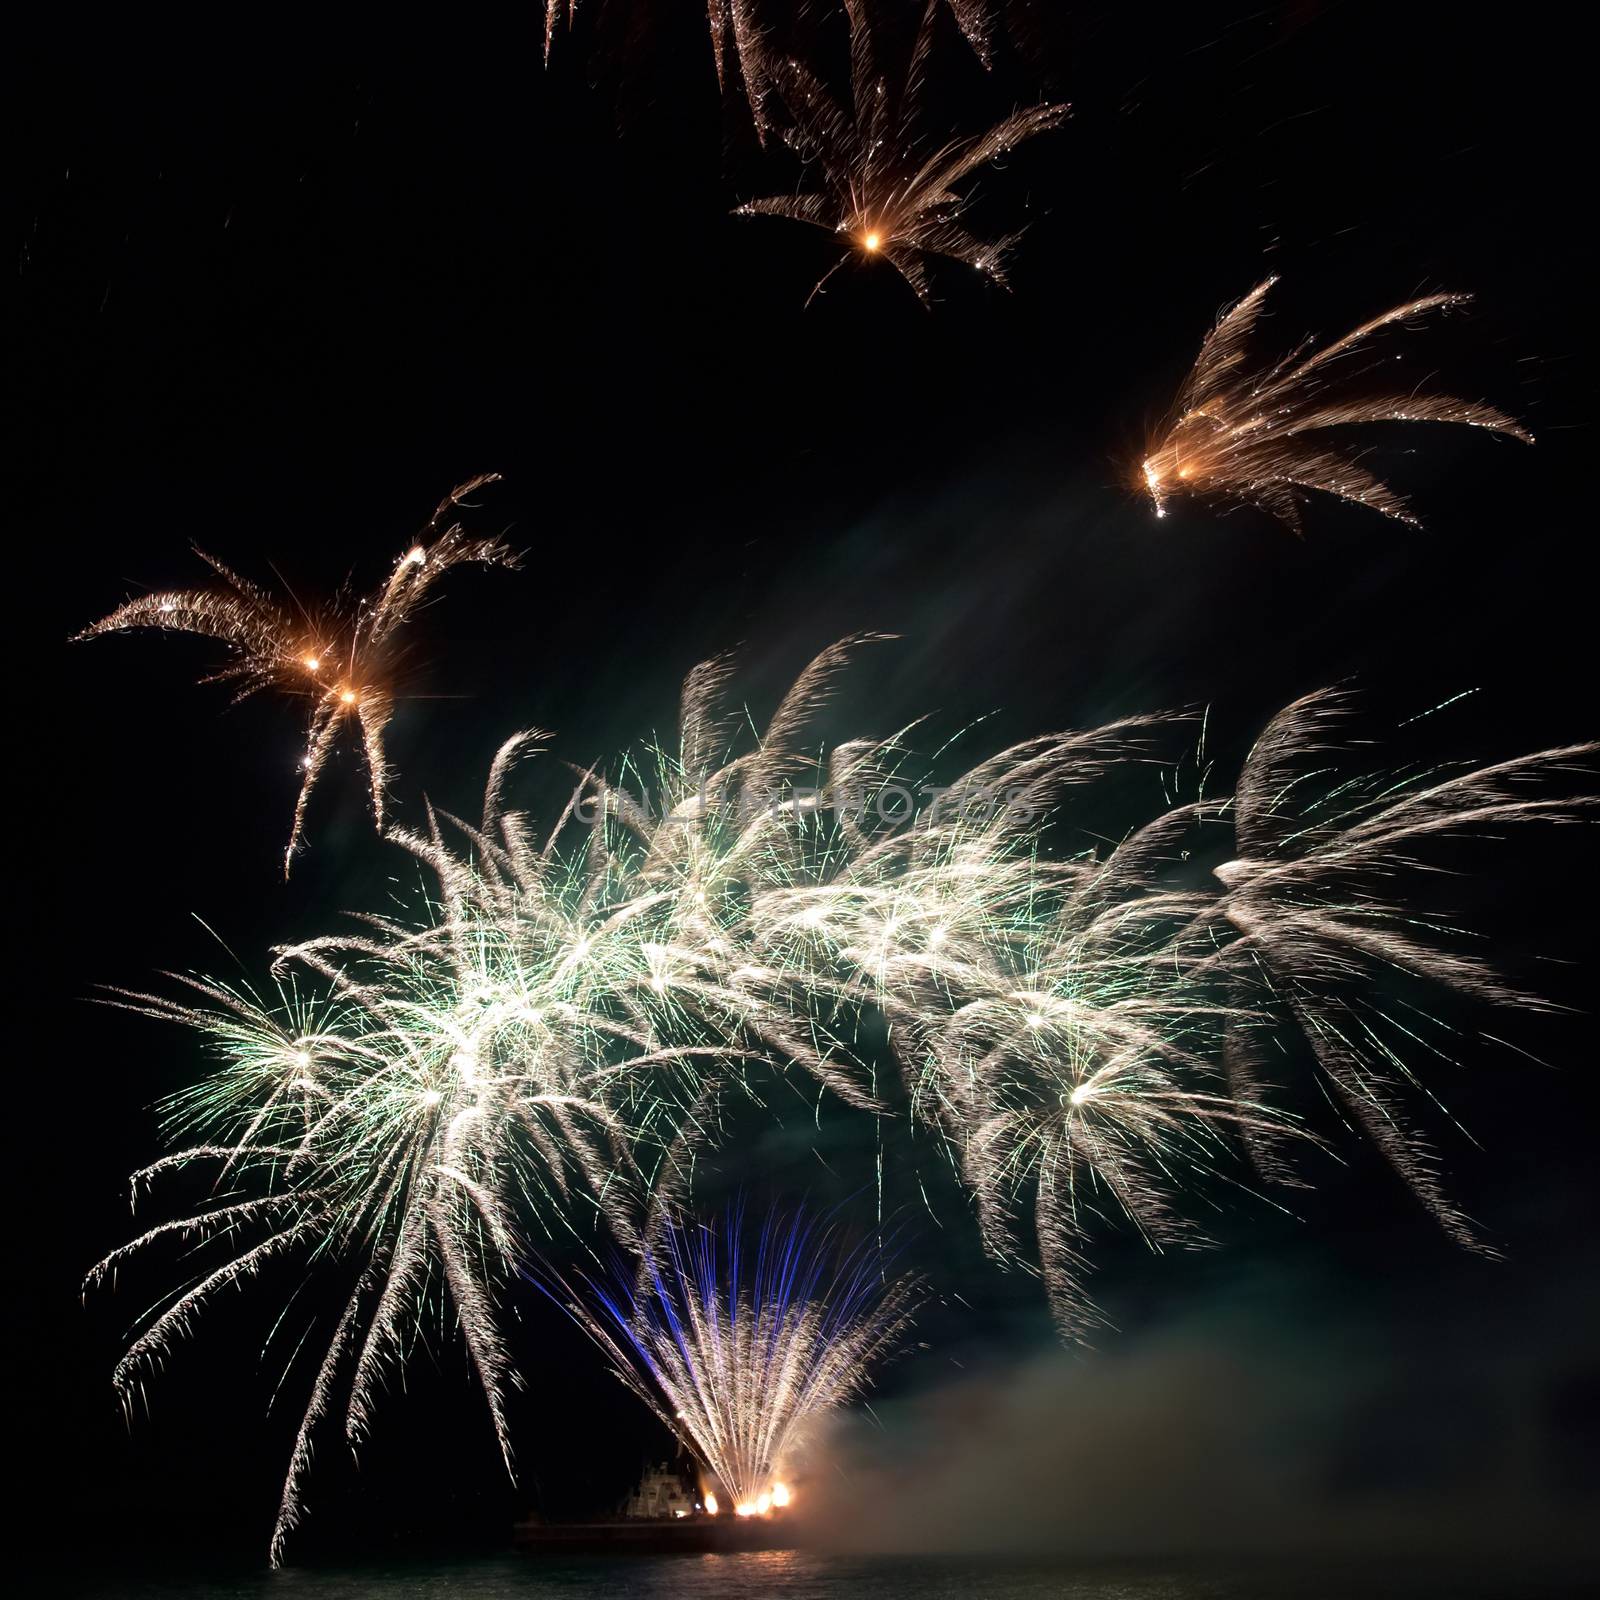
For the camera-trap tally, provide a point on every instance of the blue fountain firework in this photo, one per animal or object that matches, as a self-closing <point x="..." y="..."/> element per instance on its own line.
<point x="741" y="1360"/>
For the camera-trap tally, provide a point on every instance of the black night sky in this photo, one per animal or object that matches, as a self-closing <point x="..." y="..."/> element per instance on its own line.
<point x="281" y="280"/>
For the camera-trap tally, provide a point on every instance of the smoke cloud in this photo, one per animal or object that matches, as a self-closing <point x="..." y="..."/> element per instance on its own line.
<point x="1273" y="1427"/>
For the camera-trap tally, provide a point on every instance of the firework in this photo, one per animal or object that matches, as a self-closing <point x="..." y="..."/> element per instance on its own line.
<point x="471" y="1070"/>
<point x="1313" y="926"/>
<point x="1042" y="1010"/>
<point x="1087" y="1033"/>
<point x="697" y="840"/>
<point x="1245" y="433"/>
<point x="976" y="25"/>
<point x="882" y="191"/>
<point x="742" y="1361"/>
<point x="454" y="1079"/>
<point x="556" y="14"/>
<point x="558" y="1022"/>
<point x="344" y="658"/>
<point x="736" y="42"/>
<point x="547" y="1045"/>
<point x="1080" y="1067"/>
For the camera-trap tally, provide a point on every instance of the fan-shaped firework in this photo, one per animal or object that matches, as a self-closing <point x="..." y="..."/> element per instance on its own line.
<point x="1042" y="1009"/>
<point x="1086" y="1032"/>
<point x="1315" y="927"/>
<point x="882" y="190"/>
<point x="741" y="1360"/>
<point x="1243" y="433"/>
<point x="459" y="1075"/>
<point x="344" y="658"/>
<point x="1080" y="1066"/>
<point x="699" y="841"/>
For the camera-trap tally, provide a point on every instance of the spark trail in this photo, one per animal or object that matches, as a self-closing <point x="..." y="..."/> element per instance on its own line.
<point x="344" y="658"/>
<point x="1263" y="433"/>
<point x="883" y="191"/>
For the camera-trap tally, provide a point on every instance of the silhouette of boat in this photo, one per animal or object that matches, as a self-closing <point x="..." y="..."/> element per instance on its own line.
<point x="663" y="1516"/>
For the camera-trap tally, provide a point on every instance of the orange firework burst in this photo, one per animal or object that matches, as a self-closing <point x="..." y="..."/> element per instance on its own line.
<point x="881" y="191"/>
<point x="1245" y="434"/>
<point x="343" y="657"/>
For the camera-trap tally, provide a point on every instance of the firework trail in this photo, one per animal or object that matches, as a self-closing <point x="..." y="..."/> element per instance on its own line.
<point x="344" y="658"/>
<point x="881" y="191"/>
<point x="1315" y="929"/>
<point x="1245" y="433"/>
<point x="1041" y="1010"/>
<point x="741" y="1360"/>
<point x="736" y="45"/>
<point x="456" y="1078"/>
<point x="742" y="41"/>
<point x="1088" y="1034"/>
<point x="737" y="42"/>
<point x="976" y="25"/>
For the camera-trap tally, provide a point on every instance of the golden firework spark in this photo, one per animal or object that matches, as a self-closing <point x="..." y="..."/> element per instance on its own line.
<point x="344" y="657"/>
<point x="881" y="191"/>
<point x="1242" y="433"/>
<point x="737" y="43"/>
<point x="976" y="25"/>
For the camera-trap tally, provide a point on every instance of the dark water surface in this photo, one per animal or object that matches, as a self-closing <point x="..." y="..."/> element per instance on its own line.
<point x="799" y="1575"/>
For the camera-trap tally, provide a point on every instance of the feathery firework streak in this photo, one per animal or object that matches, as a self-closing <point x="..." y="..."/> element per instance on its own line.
<point x="345" y="658"/>
<point x="742" y="48"/>
<point x="737" y="42"/>
<point x="1260" y="434"/>
<point x="882" y="192"/>
<point x="1314" y="926"/>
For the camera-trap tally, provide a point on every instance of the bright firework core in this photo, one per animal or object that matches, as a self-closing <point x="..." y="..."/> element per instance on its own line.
<point x="776" y="1498"/>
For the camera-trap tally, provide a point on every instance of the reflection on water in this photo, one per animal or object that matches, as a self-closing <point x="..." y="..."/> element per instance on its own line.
<point x="804" y="1575"/>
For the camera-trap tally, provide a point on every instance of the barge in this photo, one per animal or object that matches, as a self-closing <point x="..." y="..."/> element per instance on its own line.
<point x="665" y="1515"/>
